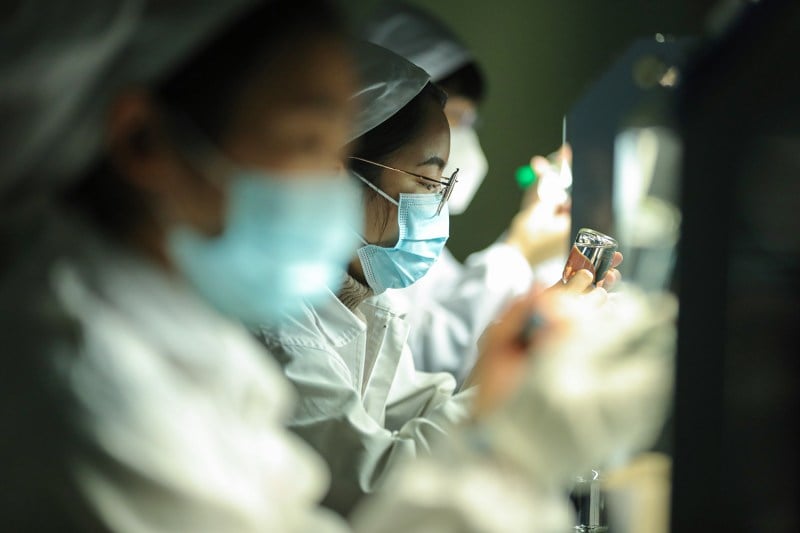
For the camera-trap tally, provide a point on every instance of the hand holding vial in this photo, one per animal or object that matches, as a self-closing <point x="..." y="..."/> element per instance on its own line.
<point x="597" y="253"/>
<point x="540" y="230"/>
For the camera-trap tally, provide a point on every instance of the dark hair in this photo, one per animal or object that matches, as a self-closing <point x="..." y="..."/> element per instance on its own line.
<point x="382" y="141"/>
<point x="468" y="81"/>
<point x="203" y="89"/>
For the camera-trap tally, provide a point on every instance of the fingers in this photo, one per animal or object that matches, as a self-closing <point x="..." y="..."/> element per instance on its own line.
<point x="579" y="282"/>
<point x="566" y="153"/>
<point x="613" y="275"/>
<point x="564" y="208"/>
<point x="540" y="165"/>
<point x="611" y="278"/>
<point x="596" y="297"/>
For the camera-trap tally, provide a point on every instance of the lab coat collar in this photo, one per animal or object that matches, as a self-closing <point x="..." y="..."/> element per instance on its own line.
<point x="338" y="325"/>
<point x="327" y="316"/>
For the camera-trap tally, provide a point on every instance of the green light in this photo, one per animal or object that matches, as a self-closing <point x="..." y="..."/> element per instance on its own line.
<point x="526" y="176"/>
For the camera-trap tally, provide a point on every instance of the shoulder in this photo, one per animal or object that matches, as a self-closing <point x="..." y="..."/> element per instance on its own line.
<point x="325" y="324"/>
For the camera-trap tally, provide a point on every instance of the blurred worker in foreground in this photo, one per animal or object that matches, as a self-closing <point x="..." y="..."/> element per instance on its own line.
<point x="185" y="175"/>
<point x="454" y="303"/>
<point x="173" y="155"/>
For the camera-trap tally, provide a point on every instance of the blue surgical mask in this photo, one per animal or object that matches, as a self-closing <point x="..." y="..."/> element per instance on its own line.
<point x="285" y="241"/>
<point x="423" y="235"/>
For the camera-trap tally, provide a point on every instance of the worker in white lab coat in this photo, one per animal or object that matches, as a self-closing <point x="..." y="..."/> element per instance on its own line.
<point x="455" y="302"/>
<point x="154" y="179"/>
<point x="362" y="403"/>
<point x="130" y="402"/>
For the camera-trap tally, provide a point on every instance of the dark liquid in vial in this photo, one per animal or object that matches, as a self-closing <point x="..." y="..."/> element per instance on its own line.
<point x="594" y="258"/>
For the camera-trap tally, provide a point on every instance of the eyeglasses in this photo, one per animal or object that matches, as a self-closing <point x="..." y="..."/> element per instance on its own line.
<point x="447" y="183"/>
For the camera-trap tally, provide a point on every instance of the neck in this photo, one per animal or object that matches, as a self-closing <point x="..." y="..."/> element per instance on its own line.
<point x="354" y="289"/>
<point x="356" y="270"/>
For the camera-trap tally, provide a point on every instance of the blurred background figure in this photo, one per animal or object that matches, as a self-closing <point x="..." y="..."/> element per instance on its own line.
<point x="165" y="164"/>
<point x="454" y="302"/>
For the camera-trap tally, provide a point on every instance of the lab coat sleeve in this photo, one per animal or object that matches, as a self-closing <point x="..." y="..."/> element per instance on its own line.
<point x="175" y="464"/>
<point x="359" y="449"/>
<point x="463" y="491"/>
<point x="121" y="439"/>
<point x="583" y="405"/>
<point x="597" y="394"/>
<point x="131" y="407"/>
<point x="449" y="311"/>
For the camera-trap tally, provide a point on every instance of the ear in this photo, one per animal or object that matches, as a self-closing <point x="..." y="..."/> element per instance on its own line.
<point x="137" y="142"/>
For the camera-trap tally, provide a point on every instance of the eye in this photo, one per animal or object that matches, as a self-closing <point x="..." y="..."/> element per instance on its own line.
<point x="430" y="187"/>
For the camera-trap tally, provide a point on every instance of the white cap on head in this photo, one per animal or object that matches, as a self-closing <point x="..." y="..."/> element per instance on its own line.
<point x="419" y="37"/>
<point x="62" y="62"/>
<point x="386" y="83"/>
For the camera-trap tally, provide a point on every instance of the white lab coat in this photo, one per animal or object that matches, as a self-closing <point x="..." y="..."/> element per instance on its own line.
<point x="451" y="306"/>
<point x="463" y="491"/>
<point x="362" y="404"/>
<point x="182" y="412"/>
<point x="182" y="409"/>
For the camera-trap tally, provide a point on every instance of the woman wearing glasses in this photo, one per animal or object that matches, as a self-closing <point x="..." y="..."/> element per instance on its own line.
<point x="362" y="404"/>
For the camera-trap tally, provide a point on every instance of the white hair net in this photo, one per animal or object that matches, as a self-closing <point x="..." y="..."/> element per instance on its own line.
<point x="61" y="62"/>
<point x="419" y="37"/>
<point x="387" y="82"/>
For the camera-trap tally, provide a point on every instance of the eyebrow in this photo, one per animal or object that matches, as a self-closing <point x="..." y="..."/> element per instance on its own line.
<point x="433" y="160"/>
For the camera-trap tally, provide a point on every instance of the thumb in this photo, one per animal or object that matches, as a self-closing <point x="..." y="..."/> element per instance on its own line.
<point x="579" y="282"/>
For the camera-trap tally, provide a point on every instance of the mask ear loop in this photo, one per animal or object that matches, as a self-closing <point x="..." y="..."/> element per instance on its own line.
<point x="377" y="190"/>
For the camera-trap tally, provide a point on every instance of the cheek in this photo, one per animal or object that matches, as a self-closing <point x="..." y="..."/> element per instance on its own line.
<point x="209" y="208"/>
<point x="194" y="202"/>
<point x="381" y="222"/>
